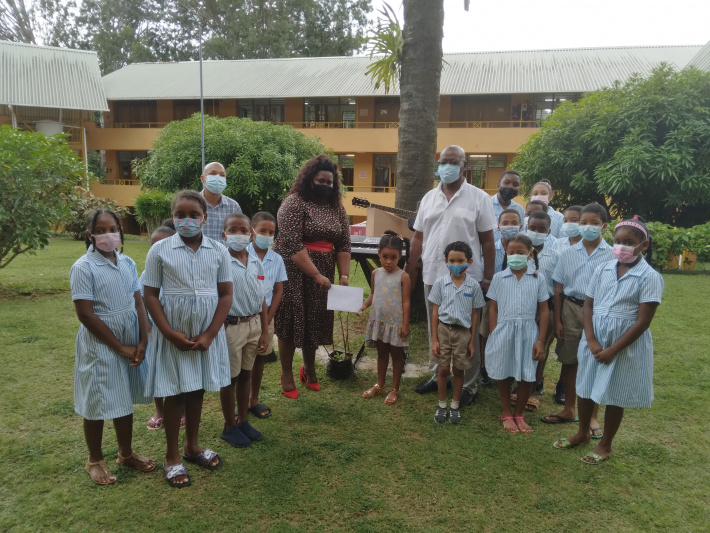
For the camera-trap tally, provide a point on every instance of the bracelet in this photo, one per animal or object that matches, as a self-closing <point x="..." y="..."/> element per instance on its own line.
<point x="344" y="276"/>
<point x="487" y="281"/>
<point x="540" y="342"/>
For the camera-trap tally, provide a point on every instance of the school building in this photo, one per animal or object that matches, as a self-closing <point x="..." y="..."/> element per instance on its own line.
<point x="491" y="102"/>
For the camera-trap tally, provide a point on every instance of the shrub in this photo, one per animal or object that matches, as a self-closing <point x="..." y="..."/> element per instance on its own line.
<point x="152" y="207"/>
<point x="81" y="204"/>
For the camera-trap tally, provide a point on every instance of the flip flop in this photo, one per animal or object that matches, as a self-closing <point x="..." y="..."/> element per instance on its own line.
<point x="552" y="418"/>
<point x="183" y="423"/>
<point x="171" y="472"/>
<point x="532" y="405"/>
<point x="510" y="419"/>
<point x="564" y="444"/>
<point x="258" y="409"/>
<point x="601" y="434"/>
<point x="594" y="459"/>
<point x="203" y="459"/>
<point x="157" y="424"/>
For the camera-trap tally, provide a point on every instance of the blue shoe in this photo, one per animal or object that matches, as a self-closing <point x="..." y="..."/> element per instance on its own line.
<point x="252" y="434"/>
<point x="236" y="438"/>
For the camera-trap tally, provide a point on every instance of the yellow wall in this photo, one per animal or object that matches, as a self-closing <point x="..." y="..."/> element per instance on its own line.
<point x="121" y="138"/>
<point x="124" y="195"/>
<point x="380" y="198"/>
<point x="363" y="164"/>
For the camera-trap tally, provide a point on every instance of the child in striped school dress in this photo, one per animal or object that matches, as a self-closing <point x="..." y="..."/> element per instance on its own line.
<point x="516" y="343"/>
<point x="110" y="345"/>
<point x="569" y="234"/>
<point x="616" y="352"/>
<point x="572" y="274"/>
<point x="246" y="328"/>
<point x="188" y="345"/>
<point x="264" y="225"/>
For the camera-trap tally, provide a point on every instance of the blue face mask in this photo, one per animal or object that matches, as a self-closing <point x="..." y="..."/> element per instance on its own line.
<point x="263" y="241"/>
<point x="457" y="269"/>
<point x="517" y="261"/>
<point x="449" y="173"/>
<point x="215" y="183"/>
<point x="237" y="242"/>
<point x="589" y="232"/>
<point x="509" y="231"/>
<point x="570" y="229"/>
<point x="536" y="238"/>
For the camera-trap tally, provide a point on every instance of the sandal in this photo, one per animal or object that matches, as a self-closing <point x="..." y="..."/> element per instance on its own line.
<point x="111" y="478"/>
<point x="594" y="434"/>
<point x="554" y="418"/>
<point x="513" y="400"/>
<point x="155" y="423"/>
<point x="171" y="472"/>
<point x="183" y="423"/>
<point x="373" y="391"/>
<point x="204" y="458"/>
<point x="565" y="444"/>
<point x="532" y="405"/>
<point x="148" y="464"/>
<point x="510" y="419"/>
<point x="521" y="430"/>
<point x="258" y="410"/>
<point x="594" y="459"/>
<point x="396" y="396"/>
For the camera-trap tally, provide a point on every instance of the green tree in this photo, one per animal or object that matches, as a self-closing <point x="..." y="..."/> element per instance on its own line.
<point x="81" y="203"/>
<point x="261" y="159"/>
<point x="37" y="173"/>
<point x="639" y="148"/>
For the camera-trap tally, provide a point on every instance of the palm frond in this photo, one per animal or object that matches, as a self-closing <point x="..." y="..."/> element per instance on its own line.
<point x="385" y="41"/>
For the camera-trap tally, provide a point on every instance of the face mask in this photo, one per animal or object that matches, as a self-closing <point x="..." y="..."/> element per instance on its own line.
<point x="541" y="198"/>
<point x="237" y="242"/>
<point x="589" y="232"/>
<point x="536" y="238"/>
<point x="570" y="229"/>
<point x="517" y="261"/>
<point x="188" y="227"/>
<point x="457" y="269"/>
<point x="215" y="183"/>
<point x="107" y="242"/>
<point x="625" y="254"/>
<point x="449" y="173"/>
<point x="508" y="231"/>
<point x="324" y="192"/>
<point x="262" y="241"/>
<point x="507" y="194"/>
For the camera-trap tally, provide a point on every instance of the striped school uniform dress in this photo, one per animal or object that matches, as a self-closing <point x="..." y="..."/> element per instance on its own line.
<point x="628" y="380"/>
<point x="105" y="385"/>
<point x="510" y="346"/>
<point x="189" y="298"/>
<point x="556" y="221"/>
<point x="547" y="259"/>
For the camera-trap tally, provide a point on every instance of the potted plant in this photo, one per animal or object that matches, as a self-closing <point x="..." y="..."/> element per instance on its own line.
<point x="340" y="362"/>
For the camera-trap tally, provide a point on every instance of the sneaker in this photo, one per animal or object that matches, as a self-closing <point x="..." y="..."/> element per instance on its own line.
<point x="251" y="433"/>
<point x="235" y="437"/>
<point x="485" y="380"/>
<point x="440" y="415"/>
<point x="454" y="416"/>
<point x="540" y="387"/>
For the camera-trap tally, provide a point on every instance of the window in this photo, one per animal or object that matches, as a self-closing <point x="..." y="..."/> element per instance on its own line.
<point x="125" y="170"/>
<point x="183" y="109"/>
<point x="346" y="164"/>
<point x="386" y="112"/>
<point x="336" y="112"/>
<point x="385" y="171"/>
<point x="483" y="171"/>
<point x="138" y="114"/>
<point x="545" y="104"/>
<point x="262" y="110"/>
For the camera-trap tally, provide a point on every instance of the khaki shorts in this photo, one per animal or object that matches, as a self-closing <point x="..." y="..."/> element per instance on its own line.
<point x="242" y="340"/>
<point x="453" y="343"/>
<point x="484" y="329"/>
<point x="573" y="322"/>
<point x="550" y="335"/>
<point x="269" y="347"/>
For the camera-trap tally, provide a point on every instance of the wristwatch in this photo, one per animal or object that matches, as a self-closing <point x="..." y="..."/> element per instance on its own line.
<point x="487" y="281"/>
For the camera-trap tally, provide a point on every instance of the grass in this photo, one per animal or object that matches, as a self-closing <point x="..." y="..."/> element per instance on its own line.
<point x="333" y="461"/>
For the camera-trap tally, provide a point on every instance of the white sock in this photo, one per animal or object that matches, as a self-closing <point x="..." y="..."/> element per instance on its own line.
<point x="442" y="405"/>
<point x="454" y="404"/>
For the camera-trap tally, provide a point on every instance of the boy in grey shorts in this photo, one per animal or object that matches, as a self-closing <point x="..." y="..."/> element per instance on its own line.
<point x="457" y="297"/>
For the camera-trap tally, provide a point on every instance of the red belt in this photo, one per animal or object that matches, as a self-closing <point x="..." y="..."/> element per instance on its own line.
<point x="319" y="246"/>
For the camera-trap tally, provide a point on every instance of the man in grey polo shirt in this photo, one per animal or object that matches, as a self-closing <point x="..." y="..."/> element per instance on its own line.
<point x="454" y="211"/>
<point x="214" y="181"/>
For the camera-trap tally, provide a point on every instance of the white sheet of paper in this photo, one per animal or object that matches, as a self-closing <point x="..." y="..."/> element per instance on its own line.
<point x="344" y="298"/>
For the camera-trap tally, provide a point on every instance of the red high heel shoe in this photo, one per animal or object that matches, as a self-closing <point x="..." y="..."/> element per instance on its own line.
<point x="302" y="378"/>
<point x="293" y="394"/>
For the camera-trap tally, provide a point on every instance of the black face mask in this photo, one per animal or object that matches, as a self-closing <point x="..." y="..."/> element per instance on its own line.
<point x="324" y="192"/>
<point x="507" y="194"/>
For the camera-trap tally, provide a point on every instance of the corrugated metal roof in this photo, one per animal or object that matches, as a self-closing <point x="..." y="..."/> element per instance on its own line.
<point x="43" y="76"/>
<point x="701" y="60"/>
<point x="540" y="71"/>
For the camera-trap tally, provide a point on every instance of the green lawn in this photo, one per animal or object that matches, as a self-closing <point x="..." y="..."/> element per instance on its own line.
<point x="335" y="462"/>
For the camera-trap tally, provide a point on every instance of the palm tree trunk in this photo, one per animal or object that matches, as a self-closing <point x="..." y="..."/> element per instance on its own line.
<point x="422" y="56"/>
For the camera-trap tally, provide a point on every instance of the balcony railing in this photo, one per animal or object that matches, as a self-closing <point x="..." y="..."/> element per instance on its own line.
<point x="475" y="124"/>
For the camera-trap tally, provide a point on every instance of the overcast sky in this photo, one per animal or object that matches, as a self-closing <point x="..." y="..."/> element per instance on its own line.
<point x="544" y="24"/>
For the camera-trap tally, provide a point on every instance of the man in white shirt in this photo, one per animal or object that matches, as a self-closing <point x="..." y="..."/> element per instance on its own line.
<point x="454" y="211"/>
<point x="214" y="180"/>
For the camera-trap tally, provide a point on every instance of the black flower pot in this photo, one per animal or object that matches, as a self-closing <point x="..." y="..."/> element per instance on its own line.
<point x="340" y="365"/>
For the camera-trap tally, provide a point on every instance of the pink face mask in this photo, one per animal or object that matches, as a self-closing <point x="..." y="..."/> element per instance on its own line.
<point x="107" y="242"/>
<point x="625" y="254"/>
<point x="541" y="198"/>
